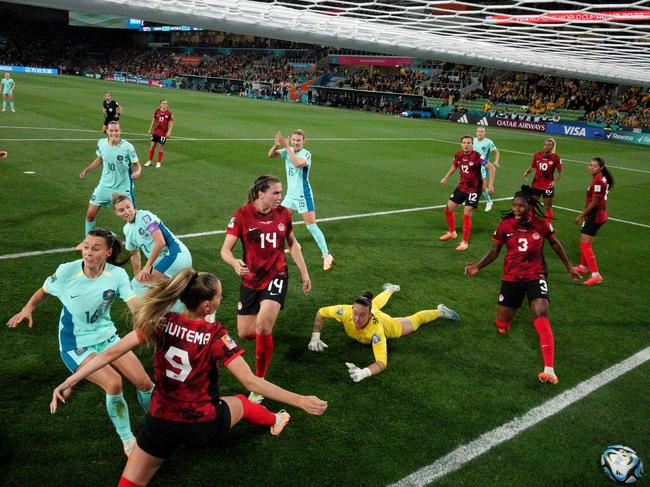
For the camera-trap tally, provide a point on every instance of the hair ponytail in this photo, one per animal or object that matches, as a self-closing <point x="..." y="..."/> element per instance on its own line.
<point x="605" y="171"/>
<point x="189" y="286"/>
<point x="261" y="184"/>
<point x="365" y="299"/>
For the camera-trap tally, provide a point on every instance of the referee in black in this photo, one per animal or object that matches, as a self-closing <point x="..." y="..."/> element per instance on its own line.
<point x="112" y="111"/>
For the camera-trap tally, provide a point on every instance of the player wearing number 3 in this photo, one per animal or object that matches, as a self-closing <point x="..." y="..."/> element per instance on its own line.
<point x="264" y="227"/>
<point x="469" y="189"/>
<point x="523" y="231"/>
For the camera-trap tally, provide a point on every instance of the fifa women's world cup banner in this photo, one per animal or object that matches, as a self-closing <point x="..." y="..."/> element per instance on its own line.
<point x="27" y="69"/>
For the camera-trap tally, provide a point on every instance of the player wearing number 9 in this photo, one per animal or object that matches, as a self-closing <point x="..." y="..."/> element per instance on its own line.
<point x="87" y="289"/>
<point x="186" y="408"/>
<point x="264" y="227"/>
<point x="523" y="231"/>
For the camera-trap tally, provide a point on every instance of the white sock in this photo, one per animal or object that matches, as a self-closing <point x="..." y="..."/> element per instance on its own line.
<point x="549" y="370"/>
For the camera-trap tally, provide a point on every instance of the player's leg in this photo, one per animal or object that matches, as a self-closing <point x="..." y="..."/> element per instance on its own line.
<point x="511" y="296"/>
<point x="539" y="307"/>
<point x="131" y="368"/>
<point x="11" y="102"/>
<point x="4" y="102"/>
<point x="152" y="150"/>
<point x="251" y="412"/>
<point x="467" y="222"/>
<point x="382" y="298"/>
<point x="451" y="219"/>
<point x="548" y="205"/>
<point x="140" y="468"/>
<point x="309" y="217"/>
<point x="91" y="216"/>
<point x="587" y="255"/>
<point x="485" y="193"/>
<point x="161" y="152"/>
<point x="264" y="323"/>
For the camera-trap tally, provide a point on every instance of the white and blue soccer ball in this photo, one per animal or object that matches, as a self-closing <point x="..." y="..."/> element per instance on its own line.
<point x="621" y="464"/>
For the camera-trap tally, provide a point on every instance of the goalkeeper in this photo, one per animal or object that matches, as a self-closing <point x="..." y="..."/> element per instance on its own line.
<point x="364" y="322"/>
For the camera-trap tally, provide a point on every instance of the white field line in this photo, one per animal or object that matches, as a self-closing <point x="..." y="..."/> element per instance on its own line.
<point x="328" y="219"/>
<point x="266" y="139"/>
<point x="466" y="453"/>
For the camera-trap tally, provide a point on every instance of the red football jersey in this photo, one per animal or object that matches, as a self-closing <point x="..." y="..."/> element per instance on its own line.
<point x="161" y="123"/>
<point x="469" y="166"/>
<point x="186" y="368"/>
<point x="545" y="165"/>
<point x="525" y="242"/>
<point x="262" y="236"/>
<point x="599" y="188"/>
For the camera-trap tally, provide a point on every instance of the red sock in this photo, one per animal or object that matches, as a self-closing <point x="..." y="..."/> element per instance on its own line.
<point x="451" y="220"/>
<point x="124" y="482"/>
<point x="549" y="214"/>
<point x="502" y="326"/>
<point x="263" y="352"/>
<point x="151" y="154"/>
<point x="256" y="413"/>
<point x="583" y="261"/>
<point x="543" y="327"/>
<point x="589" y="256"/>
<point x="160" y="155"/>
<point x="467" y="227"/>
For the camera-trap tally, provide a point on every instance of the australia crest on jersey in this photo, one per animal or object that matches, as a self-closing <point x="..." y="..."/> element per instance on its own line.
<point x="109" y="295"/>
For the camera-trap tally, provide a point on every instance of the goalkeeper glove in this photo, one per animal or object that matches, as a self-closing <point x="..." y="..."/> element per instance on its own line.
<point x="316" y="344"/>
<point x="357" y="374"/>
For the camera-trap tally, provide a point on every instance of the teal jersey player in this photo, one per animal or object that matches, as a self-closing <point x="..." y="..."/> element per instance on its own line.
<point x="7" y="86"/>
<point x="484" y="147"/>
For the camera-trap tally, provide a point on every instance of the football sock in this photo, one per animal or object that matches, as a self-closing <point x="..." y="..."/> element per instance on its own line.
<point x="319" y="237"/>
<point x="150" y="155"/>
<point x="263" y="352"/>
<point x="4" y="105"/>
<point x="160" y="155"/>
<point x="589" y="256"/>
<point x="549" y="213"/>
<point x="90" y="225"/>
<point x="451" y="220"/>
<point x="256" y="413"/>
<point x="543" y="327"/>
<point x="144" y="398"/>
<point x="11" y="105"/>
<point x="583" y="261"/>
<point x="467" y="227"/>
<point x="502" y="326"/>
<point x="124" y="482"/>
<point x="118" y="411"/>
<point x="487" y="197"/>
<point x="422" y="317"/>
<point x="381" y="299"/>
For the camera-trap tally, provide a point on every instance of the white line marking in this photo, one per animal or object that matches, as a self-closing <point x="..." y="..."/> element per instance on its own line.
<point x="328" y="219"/>
<point x="609" y="217"/>
<point x="484" y="443"/>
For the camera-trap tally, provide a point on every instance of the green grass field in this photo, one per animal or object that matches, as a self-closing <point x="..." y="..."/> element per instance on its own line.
<point x="445" y="385"/>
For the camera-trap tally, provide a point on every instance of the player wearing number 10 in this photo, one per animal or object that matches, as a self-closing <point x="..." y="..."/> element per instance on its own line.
<point x="523" y="231"/>
<point x="264" y="228"/>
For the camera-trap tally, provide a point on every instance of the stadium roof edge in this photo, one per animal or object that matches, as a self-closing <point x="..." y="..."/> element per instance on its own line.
<point x="278" y="22"/>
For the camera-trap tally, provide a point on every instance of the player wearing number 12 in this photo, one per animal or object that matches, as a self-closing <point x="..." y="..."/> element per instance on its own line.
<point x="161" y="127"/>
<point x="523" y="231"/>
<point x="469" y="189"/>
<point x="264" y="227"/>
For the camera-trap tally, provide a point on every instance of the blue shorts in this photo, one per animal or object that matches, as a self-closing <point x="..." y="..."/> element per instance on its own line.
<point x="170" y="265"/>
<point x="74" y="358"/>
<point x="300" y="203"/>
<point x="103" y="196"/>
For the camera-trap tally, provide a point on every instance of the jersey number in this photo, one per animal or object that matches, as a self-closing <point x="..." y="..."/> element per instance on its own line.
<point x="94" y="317"/>
<point x="271" y="238"/>
<point x="543" y="166"/>
<point x="465" y="169"/>
<point x="111" y="166"/>
<point x="472" y="197"/>
<point x="179" y="359"/>
<point x="543" y="286"/>
<point x="523" y="244"/>
<point x="277" y="284"/>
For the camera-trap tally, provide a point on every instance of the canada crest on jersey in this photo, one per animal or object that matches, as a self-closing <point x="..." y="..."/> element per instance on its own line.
<point x="536" y="236"/>
<point x="281" y="227"/>
<point x="109" y="295"/>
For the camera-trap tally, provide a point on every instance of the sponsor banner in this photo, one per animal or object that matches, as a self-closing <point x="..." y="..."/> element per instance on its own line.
<point x="372" y="60"/>
<point x="303" y="66"/>
<point x="516" y="124"/>
<point x="628" y="137"/>
<point x="27" y="69"/>
<point x="573" y="17"/>
<point x="575" y="130"/>
<point x="154" y="82"/>
<point x="465" y="118"/>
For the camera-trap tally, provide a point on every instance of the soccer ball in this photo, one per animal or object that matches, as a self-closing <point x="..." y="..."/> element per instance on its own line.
<point x="621" y="464"/>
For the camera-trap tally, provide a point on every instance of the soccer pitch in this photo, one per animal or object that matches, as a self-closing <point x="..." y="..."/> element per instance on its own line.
<point x="445" y="385"/>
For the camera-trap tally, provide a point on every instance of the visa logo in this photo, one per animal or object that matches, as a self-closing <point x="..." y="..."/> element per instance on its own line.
<point x="575" y="131"/>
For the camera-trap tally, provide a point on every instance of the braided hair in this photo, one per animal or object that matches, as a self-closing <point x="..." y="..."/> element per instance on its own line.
<point x="533" y="204"/>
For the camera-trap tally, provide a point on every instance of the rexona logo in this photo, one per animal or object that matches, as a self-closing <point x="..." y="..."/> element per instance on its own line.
<point x="617" y="136"/>
<point x="575" y="131"/>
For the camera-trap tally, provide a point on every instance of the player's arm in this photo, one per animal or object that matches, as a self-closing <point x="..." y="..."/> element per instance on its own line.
<point x="297" y="161"/>
<point x="137" y="169"/>
<point x="153" y="121"/>
<point x="119" y="110"/>
<point x="558" y="170"/>
<point x="26" y="313"/>
<point x="227" y="256"/>
<point x="491" y="172"/>
<point x="136" y="262"/>
<point x="242" y="372"/>
<point x="529" y="170"/>
<point x="316" y="344"/>
<point x="559" y="251"/>
<point x="451" y="171"/>
<point x="273" y="151"/>
<point x="93" y="165"/>
<point x="296" y="255"/>
<point x="169" y="128"/>
<point x="497" y="157"/>
<point x="472" y="269"/>
<point x="588" y="209"/>
<point x="380" y="350"/>
<point x="126" y="344"/>
<point x="158" y="244"/>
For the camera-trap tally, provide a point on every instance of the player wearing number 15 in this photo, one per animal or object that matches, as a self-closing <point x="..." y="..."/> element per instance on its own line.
<point x="523" y="231"/>
<point x="264" y="228"/>
<point x="469" y="188"/>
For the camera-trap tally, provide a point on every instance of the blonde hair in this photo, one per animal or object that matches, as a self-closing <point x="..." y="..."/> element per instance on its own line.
<point x="118" y="198"/>
<point x="300" y="132"/>
<point x="191" y="287"/>
<point x="553" y="142"/>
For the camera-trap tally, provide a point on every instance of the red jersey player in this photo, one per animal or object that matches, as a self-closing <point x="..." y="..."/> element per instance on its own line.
<point x="264" y="227"/>
<point x="469" y="188"/>
<point x="524" y="271"/>
<point x="185" y="407"/>
<point x="593" y="217"/>
<point x="545" y="163"/>
<point x="161" y="129"/>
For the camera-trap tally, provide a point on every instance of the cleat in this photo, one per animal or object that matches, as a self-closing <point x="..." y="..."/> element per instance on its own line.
<point x="544" y="377"/>
<point x="129" y="445"/>
<point x="488" y="205"/>
<point x="281" y="419"/>
<point x="580" y="269"/>
<point x="256" y="398"/>
<point x="593" y="280"/>
<point x="327" y="262"/>
<point x="448" y="235"/>
<point x="147" y="164"/>
<point x="503" y="331"/>
<point x="462" y="245"/>
<point x="445" y="312"/>
<point x="13" y="110"/>
<point x="4" y="109"/>
<point x="391" y="288"/>
<point x="158" y="165"/>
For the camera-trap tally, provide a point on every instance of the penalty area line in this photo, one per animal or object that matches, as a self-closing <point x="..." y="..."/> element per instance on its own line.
<point x="466" y="453"/>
